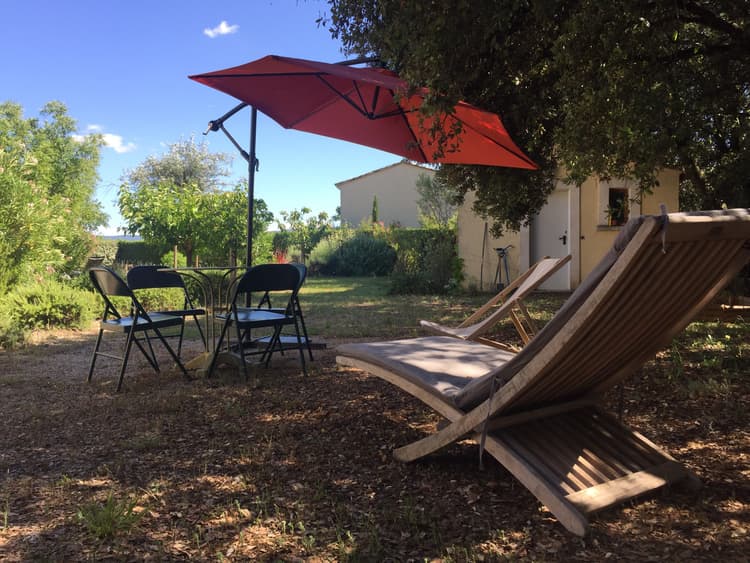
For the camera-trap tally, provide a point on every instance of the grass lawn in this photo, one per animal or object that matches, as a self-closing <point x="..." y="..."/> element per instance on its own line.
<point x="300" y="469"/>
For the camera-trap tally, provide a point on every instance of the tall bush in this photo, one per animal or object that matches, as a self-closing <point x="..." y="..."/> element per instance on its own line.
<point x="47" y="184"/>
<point x="427" y="261"/>
<point x="346" y="252"/>
<point x="366" y="255"/>
<point x="138" y="252"/>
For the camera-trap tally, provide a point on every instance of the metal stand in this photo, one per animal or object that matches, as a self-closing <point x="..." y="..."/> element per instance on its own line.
<point x="502" y="265"/>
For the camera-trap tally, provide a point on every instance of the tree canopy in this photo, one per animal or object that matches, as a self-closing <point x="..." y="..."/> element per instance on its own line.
<point x="47" y="183"/>
<point x="186" y="162"/>
<point x="176" y="200"/>
<point x="302" y="230"/>
<point x="436" y="202"/>
<point x="617" y="88"/>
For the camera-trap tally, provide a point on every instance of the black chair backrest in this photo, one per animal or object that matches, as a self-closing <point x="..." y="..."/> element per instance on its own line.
<point x="302" y="273"/>
<point x="270" y="277"/>
<point x="107" y="282"/>
<point x="148" y="277"/>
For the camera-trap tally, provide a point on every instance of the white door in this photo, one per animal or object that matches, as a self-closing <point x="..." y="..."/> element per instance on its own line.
<point x="550" y="235"/>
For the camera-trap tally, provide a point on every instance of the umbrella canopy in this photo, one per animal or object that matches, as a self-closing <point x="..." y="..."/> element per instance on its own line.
<point x="368" y="106"/>
<point x="371" y="107"/>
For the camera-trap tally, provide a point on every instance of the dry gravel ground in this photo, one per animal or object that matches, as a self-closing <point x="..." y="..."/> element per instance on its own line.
<point x="301" y="469"/>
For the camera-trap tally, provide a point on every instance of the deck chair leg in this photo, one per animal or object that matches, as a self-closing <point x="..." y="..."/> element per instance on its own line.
<point x="533" y="329"/>
<point x="568" y="515"/>
<point x="525" y="338"/>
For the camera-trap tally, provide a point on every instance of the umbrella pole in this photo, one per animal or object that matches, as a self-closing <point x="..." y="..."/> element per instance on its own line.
<point x="252" y="165"/>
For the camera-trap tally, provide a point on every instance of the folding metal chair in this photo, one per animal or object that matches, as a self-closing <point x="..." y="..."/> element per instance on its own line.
<point x="262" y="279"/>
<point x="286" y="342"/>
<point x="107" y="283"/>
<point x="150" y="277"/>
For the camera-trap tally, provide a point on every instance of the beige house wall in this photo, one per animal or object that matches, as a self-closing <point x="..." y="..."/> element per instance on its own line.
<point x="476" y="248"/>
<point x="595" y="236"/>
<point x="395" y="188"/>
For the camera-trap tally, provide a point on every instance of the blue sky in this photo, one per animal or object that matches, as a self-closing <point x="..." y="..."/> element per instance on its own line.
<point x="121" y="68"/>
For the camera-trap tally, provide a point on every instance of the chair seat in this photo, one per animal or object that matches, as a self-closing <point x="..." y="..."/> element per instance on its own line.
<point x="125" y="324"/>
<point x="440" y="365"/>
<point x="183" y="312"/>
<point x="255" y="317"/>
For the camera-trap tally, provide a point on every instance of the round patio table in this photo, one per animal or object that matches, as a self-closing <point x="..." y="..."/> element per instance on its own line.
<point x="213" y="291"/>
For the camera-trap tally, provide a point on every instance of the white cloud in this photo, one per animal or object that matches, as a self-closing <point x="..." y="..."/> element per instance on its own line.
<point x="114" y="142"/>
<point x="222" y="29"/>
<point x="108" y="231"/>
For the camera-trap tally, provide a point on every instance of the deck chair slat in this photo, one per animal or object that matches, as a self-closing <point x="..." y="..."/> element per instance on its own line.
<point x="552" y="353"/>
<point x="629" y="443"/>
<point x="589" y="435"/>
<point x="617" y="444"/>
<point x="627" y="487"/>
<point x="568" y="470"/>
<point x="595" y="467"/>
<point x="536" y="440"/>
<point x="555" y="454"/>
<point x="676" y="322"/>
<point x="576" y="462"/>
<point x="660" y="302"/>
<point x="575" y="458"/>
<point x="541" y="465"/>
<point x="507" y="304"/>
<point x="611" y="315"/>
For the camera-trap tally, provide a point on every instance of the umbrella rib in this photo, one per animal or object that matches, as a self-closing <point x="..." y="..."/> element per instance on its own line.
<point x="362" y="110"/>
<point x="516" y="153"/>
<point x="416" y="142"/>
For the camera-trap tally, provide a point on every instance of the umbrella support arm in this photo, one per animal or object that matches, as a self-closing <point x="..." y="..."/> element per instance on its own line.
<point x="252" y="161"/>
<point x="242" y="151"/>
<point x="218" y="125"/>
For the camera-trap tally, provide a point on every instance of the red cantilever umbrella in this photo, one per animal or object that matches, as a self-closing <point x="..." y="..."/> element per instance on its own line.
<point x="368" y="106"/>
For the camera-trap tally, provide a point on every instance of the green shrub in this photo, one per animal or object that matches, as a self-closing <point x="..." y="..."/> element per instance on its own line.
<point x="49" y="304"/>
<point x="365" y="255"/>
<point x="105" y="248"/>
<point x="160" y="299"/>
<point x="168" y="259"/>
<point x="12" y="334"/>
<point x="427" y="261"/>
<point x="325" y="256"/>
<point x="138" y="252"/>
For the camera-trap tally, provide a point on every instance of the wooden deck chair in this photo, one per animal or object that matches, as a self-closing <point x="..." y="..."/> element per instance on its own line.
<point x="538" y="411"/>
<point x="508" y="303"/>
